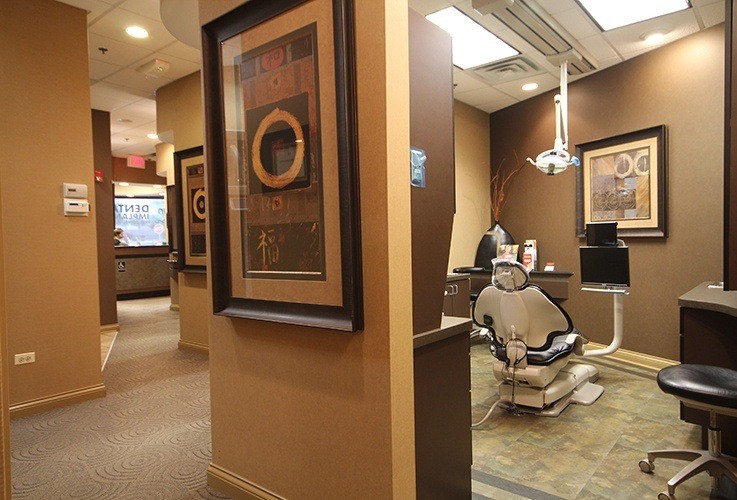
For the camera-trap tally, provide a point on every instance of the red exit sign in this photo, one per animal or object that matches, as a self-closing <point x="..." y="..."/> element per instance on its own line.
<point x="136" y="161"/>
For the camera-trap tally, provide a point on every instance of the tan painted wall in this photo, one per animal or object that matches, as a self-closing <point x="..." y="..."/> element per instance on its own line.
<point x="50" y="260"/>
<point x="473" y="213"/>
<point x="309" y="413"/>
<point x="679" y="85"/>
<point x="179" y="111"/>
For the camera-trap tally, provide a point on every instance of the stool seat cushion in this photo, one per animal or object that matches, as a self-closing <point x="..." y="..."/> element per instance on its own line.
<point x="709" y="385"/>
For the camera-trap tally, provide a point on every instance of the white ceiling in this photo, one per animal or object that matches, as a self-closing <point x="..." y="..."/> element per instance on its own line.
<point x="115" y="85"/>
<point x="129" y="96"/>
<point x="606" y="48"/>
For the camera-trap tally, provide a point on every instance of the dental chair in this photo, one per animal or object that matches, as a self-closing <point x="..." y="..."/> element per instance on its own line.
<point x="533" y="341"/>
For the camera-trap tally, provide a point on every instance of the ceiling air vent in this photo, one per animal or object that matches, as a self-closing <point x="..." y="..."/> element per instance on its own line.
<point x="538" y="28"/>
<point x="507" y="70"/>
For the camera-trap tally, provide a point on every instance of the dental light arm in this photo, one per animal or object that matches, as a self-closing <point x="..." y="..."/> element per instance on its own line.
<point x="556" y="160"/>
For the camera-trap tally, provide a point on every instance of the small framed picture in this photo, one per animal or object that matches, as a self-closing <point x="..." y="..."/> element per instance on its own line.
<point x="189" y="175"/>
<point x="623" y="179"/>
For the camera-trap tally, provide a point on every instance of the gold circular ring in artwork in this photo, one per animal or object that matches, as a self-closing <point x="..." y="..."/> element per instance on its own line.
<point x="281" y="180"/>
<point x="199" y="211"/>
<point x="626" y="161"/>
<point x="642" y="163"/>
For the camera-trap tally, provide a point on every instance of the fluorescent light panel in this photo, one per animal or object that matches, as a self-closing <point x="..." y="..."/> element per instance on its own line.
<point x="473" y="45"/>
<point x="610" y="14"/>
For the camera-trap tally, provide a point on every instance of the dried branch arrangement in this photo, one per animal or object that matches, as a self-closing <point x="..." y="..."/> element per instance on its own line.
<point x="498" y="186"/>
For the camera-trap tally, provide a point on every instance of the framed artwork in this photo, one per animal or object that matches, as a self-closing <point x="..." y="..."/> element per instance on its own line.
<point x="623" y="179"/>
<point x="282" y="163"/>
<point x="189" y="175"/>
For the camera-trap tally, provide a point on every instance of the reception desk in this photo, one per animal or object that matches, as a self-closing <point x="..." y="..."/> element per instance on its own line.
<point x="141" y="271"/>
<point x="709" y="337"/>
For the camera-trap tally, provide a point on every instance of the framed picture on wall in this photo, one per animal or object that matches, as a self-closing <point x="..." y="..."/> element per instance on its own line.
<point x="623" y="179"/>
<point x="189" y="175"/>
<point x="282" y="163"/>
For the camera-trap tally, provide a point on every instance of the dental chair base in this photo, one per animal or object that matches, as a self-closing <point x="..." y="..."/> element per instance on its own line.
<point x="572" y="385"/>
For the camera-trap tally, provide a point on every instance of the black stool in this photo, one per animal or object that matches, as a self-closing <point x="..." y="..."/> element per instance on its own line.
<point x="708" y="388"/>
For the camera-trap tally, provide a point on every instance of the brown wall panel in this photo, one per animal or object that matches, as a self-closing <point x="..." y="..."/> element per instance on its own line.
<point x="679" y="85"/>
<point x="431" y="129"/>
<point x="124" y="173"/>
<point x="105" y="217"/>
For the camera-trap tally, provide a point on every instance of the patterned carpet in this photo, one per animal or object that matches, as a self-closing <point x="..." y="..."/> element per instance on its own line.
<point x="148" y="439"/>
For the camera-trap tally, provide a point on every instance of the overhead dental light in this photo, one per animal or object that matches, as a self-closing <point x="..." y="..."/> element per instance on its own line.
<point x="557" y="160"/>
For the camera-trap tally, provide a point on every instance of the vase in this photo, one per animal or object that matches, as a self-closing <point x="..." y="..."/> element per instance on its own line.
<point x="490" y="241"/>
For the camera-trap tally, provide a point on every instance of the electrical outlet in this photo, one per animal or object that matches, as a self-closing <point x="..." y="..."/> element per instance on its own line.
<point x="25" y="358"/>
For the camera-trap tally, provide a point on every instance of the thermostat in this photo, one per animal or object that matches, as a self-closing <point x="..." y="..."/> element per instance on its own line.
<point x="76" y="208"/>
<point x="78" y="191"/>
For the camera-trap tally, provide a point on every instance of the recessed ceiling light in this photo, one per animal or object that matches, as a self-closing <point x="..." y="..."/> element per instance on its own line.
<point x="136" y="32"/>
<point x="152" y="136"/>
<point x="158" y="186"/>
<point x="653" y="38"/>
<point x="529" y="87"/>
<point x="125" y="120"/>
<point x="473" y="45"/>
<point x="129" y="195"/>
<point x="609" y="15"/>
<point x="124" y="184"/>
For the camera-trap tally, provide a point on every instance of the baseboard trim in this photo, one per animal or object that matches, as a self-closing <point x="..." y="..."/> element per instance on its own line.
<point x="193" y="346"/>
<point x="174" y="307"/>
<point x="112" y="327"/>
<point x="237" y="487"/>
<point x="636" y="358"/>
<point x="42" y="405"/>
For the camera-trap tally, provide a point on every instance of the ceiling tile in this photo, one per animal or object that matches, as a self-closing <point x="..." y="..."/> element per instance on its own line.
<point x="492" y="106"/>
<point x="677" y="25"/>
<point x="546" y="82"/>
<point x="107" y="97"/>
<point x="701" y="3"/>
<point x="598" y="46"/>
<point x="143" y="130"/>
<point x="556" y="6"/>
<point x="576" y="23"/>
<point x="178" y="67"/>
<point x="182" y="51"/>
<point x="132" y="79"/>
<point x="133" y="115"/>
<point x="99" y="70"/>
<point x="464" y="82"/>
<point x="113" y="25"/>
<point x="426" y="7"/>
<point x="480" y="96"/>
<point x="148" y="8"/>
<point x="119" y="53"/>
<point x="712" y="14"/>
<point x="141" y="147"/>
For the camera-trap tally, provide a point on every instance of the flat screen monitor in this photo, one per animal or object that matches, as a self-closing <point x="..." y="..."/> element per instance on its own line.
<point x="601" y="234"/>
<point x="605" y="266"/>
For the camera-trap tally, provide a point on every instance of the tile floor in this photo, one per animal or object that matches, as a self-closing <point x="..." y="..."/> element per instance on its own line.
<point x="586" y="452"/>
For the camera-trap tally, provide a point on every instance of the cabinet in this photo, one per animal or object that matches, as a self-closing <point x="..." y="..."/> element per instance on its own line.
<point x="457" y="300"/>
<point x="709" y="337"/>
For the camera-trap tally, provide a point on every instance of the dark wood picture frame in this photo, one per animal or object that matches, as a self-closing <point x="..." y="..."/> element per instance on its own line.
<point x="183" y="206"/>
<point x="349" y="315"/>
<point x="622" y="143"/>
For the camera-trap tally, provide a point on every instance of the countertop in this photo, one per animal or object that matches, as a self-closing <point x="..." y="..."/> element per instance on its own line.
<point x="449" y="326"/>
<point x="710" y="299"/>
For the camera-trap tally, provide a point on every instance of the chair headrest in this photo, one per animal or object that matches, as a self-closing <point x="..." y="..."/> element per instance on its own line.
<point x="509" y="275"/>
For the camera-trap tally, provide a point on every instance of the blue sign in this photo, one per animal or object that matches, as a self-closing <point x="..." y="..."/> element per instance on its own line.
<point x="417" y="159"/>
